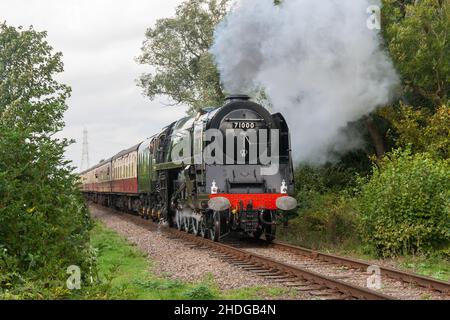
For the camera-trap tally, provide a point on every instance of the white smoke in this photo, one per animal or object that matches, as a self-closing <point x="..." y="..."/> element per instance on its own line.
<point x="319" y="63"/>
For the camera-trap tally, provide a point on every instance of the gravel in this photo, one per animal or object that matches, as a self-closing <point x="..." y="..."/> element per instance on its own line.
<point x="174" y="259"/>
<point x="389" y="286"/>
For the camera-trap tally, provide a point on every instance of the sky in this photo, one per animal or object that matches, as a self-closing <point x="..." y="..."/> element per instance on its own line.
<point x="99" y="40"/>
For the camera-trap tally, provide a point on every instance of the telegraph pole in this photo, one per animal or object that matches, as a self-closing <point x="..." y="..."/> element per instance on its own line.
<point x="85" y="152"/>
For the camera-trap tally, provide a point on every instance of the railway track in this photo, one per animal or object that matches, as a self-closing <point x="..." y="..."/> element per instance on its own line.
<point x="301" y="279"/>
<point x="297" y="268"/>
<point x="403" y="276"/>
<point x="393" y="282"/>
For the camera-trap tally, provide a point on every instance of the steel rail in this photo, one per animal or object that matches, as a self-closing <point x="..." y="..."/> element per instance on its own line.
<point x="347" y="289"/>
<point x="404" y="276"/>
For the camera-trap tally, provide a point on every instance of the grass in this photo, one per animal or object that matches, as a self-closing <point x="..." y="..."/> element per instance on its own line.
<point x="127" y="273"/>
<point x="428" y="266"/>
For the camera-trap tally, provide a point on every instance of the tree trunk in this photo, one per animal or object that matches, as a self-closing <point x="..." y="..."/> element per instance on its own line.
<point x="375" y="136"/>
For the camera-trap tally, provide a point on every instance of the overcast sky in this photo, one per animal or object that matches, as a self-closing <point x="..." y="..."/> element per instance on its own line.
<point x="99" y="40"/>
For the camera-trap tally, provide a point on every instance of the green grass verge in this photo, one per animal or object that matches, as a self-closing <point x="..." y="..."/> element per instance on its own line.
<point x="428" y="266"/>
<point x="127" y="274"/>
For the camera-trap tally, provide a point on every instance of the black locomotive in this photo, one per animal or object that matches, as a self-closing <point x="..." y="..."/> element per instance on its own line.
<point x="221" y="170"/>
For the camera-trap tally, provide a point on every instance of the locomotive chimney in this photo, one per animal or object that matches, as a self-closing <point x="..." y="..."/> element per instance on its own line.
<point x="237" y="97"/>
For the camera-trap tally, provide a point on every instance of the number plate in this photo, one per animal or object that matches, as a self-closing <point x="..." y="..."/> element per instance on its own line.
<point x="244" y="125"/>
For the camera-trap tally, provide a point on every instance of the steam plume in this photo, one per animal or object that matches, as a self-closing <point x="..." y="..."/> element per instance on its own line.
<point x="319" y="63"/>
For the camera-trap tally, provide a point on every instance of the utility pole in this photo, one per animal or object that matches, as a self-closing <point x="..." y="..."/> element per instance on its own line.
<point x="85" y="152"/>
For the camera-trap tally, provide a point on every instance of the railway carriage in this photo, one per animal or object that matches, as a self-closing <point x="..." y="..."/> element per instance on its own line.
<point x="124" y="172"/>
<point x="169" y="179"/>
<point x="102" y="177"/>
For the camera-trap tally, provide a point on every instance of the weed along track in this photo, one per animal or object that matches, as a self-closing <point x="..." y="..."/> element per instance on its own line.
<point x="311" y="274"/>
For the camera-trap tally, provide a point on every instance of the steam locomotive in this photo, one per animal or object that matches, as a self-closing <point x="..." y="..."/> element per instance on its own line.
<point x="223" y="170"/>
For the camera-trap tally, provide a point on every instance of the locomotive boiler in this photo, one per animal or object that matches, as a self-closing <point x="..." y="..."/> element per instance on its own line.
<point x="223" y="170"/>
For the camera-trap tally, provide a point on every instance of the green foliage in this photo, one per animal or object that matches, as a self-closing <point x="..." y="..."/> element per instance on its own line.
<point x="326" y="221"/>
<point x="200" y="292"/>
<point x="416" y="35"/>
<point x="405" y="205"/>
<point x="177" y="49"/>
<point x="44" y="225"/>
<point x="325" y="218"/>
<point x="425" y="132"/>
<point x="325" y="178"/>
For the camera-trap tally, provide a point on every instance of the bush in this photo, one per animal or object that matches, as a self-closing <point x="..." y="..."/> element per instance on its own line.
<point x="325" y="218"/>
<point x="404" y="206"/>
<point x="323" y="179"/>
<point x="44" y="224"/>
<point x="326" y="221"/>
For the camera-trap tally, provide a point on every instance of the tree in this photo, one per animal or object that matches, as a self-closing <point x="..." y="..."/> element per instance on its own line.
<point x="43" y="222"/>
<point x="177" y="49"/>
<point x="416" y="35"/>
<point x="422" y="130"/>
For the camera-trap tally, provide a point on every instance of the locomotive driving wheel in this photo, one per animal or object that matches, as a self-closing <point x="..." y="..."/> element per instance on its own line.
<point x="214" y="226"/>
<point x="195" y="224"/>
<point x="186" y="224"/>
<point x="179" y="219"/>
<point x="202" y="228"/>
